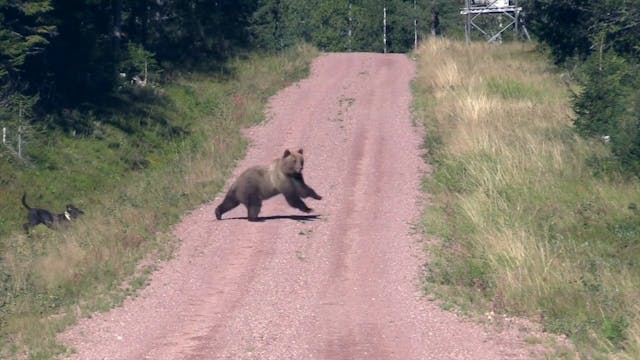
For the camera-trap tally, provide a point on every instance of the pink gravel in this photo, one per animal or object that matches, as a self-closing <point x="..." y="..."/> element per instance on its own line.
<point x="342" y="285"/>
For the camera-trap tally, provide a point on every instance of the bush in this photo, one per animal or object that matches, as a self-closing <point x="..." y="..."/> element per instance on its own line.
<point x="140" y="64"/>
<point x="609" y="107"/>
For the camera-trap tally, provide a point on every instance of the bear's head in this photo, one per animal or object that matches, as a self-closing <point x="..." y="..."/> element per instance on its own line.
<point x="292" y="162"/>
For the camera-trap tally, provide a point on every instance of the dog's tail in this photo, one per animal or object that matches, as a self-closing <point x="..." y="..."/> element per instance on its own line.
<point x="24" y="200"/>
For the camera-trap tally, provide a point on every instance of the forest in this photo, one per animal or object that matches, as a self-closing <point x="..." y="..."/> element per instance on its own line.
<point x="65" y="65"/>
<point x="61" y="60"/>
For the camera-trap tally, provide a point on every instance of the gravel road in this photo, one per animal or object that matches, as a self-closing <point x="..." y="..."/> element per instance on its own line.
<point x="343" y="283"/>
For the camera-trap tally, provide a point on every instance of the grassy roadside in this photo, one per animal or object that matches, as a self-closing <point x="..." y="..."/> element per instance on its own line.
<point x="50" y="280"/>
<point x="524" y="224"/>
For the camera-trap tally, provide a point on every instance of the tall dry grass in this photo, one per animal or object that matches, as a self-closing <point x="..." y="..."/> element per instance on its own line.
<point x="524" y="225"/>
<point x="52" y="278"/>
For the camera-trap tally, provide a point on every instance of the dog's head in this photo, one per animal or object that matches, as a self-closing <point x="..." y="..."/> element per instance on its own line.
<point x="72" y="212"/>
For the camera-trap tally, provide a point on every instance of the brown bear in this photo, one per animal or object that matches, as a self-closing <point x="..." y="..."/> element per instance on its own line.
<point x="258" y="183"/>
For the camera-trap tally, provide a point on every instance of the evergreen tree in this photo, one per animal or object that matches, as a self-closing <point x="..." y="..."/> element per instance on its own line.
<point x="336" y="25"/>
<point x="606" y="36"/>
<point x="25" y="30"/>
<point x="400" y="16"/>
<point x="367" y="25"/>
<point x="330" y="24"/>
<point x="578" y="27"/>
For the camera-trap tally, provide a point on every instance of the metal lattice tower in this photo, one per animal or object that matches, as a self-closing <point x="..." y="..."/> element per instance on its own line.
<point x="496" y="10"/>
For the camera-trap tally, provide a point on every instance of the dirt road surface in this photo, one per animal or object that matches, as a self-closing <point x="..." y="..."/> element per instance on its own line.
<point x="342" y="285"/>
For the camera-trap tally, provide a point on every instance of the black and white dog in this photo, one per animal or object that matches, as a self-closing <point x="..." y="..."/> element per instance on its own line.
<point x="41" y="216"/>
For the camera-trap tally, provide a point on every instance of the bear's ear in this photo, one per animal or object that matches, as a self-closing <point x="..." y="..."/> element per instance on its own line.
<point x="286" y="153"/>
<point x="300" y="151"/>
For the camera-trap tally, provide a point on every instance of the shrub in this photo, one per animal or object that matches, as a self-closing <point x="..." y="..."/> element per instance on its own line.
<point x="609" y="107"/>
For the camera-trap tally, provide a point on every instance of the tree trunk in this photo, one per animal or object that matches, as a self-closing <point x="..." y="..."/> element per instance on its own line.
<point x="117" y="27"/>
<point x="435" y="22"/>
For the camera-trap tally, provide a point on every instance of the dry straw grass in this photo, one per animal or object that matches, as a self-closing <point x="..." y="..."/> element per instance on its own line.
<point x="519" y="213"/>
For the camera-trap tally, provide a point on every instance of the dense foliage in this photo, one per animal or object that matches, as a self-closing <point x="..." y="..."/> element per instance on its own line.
<point x="339" y="25"/>
<point x="65" y="64"/>
<point x="75" y="54"/>
<point x="603" y="39"/>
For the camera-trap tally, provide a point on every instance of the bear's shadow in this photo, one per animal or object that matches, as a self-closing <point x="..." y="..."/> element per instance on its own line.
<point x="278" y="217"/>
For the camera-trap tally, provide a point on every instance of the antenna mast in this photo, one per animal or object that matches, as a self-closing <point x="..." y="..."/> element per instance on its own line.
<point x="486" y="10"/>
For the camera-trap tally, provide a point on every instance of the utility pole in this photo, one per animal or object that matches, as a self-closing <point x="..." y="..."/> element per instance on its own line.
<point x="384" y="31"/>
<point x="350" y="23"/>
<point x="467" y="23"/>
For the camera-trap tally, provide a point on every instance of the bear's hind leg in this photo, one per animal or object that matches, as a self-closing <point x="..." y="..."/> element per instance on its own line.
<point x="229" y="203"/>
<point x="253" y="208"/>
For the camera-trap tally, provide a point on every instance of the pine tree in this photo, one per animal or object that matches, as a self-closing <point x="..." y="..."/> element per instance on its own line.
<point x="330" y="22"/>
<point x="604" y="36"/>
<point x="24" y="32"/>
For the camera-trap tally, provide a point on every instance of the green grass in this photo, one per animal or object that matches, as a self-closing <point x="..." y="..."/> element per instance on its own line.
<point x="133" y="185"/>
<point x="511" y="89"/>
<point x="525" y="223"/>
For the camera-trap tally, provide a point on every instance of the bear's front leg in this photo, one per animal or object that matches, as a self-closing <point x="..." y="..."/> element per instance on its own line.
<point x="313" y="194"/>
<point x="304" y="190"/>
<point x="295" y="201"/>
